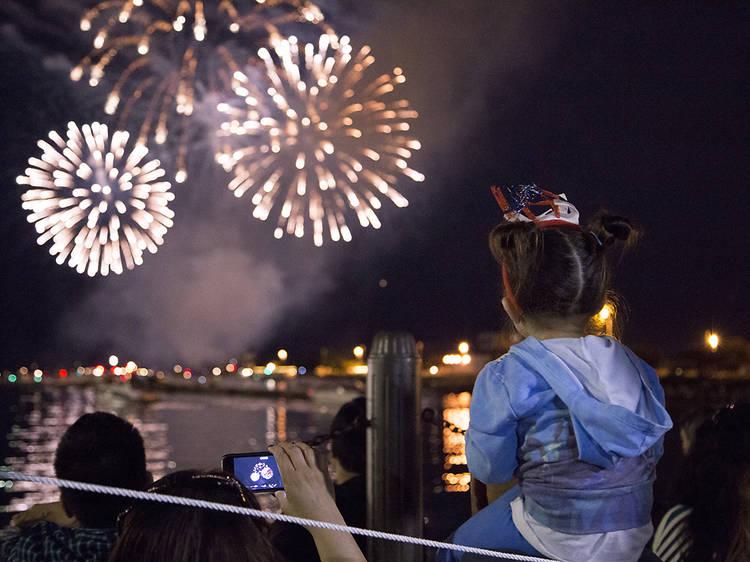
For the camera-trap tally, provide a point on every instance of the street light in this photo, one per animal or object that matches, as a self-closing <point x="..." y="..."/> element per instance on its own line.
<point x="359" y="352"/>
<point x="712" y="339"/>
<point x="451" y="359"/>
<point x="606" y="317"/>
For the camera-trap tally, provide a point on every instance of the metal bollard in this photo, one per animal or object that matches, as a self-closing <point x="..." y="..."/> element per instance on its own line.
<point x="394" y="446"/>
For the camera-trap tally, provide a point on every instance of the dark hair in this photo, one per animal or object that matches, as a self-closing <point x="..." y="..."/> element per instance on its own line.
<point x="348" y="443"/>
<point x="559" y="271"/>
<point x="692" y="421"/>
<point x="161" y="532"/>
<point x="100" y="448"/>
<point x="715" y="485"/>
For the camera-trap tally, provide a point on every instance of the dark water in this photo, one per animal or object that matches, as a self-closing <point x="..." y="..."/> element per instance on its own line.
<point x="194" y="429"/>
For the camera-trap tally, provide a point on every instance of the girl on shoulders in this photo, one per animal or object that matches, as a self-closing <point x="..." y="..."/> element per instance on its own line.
<point x="577" y="419"/>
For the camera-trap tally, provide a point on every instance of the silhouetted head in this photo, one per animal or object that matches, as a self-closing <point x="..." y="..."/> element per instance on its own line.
<point x="161" y="532"/>
<point x="100" y="448"/>
<point x="716" y="485"/>
<point x="349" y="429"/>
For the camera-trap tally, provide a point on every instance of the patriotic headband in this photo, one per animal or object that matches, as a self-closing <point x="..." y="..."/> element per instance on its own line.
<point x="516" y="202"/>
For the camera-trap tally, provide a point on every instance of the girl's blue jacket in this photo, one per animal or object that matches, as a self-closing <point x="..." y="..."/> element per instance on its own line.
<point x="579" y="422"/>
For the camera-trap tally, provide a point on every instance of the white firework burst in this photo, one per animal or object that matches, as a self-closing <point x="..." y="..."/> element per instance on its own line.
<point x="100" y="204"/>
<point x="318" y="140"/>
<point x="161" y="51"/>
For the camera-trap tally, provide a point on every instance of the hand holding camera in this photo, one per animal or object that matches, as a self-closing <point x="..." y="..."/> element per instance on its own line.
<point x="306" y="492"/>
<point x="302" y="491"/>
<point x="307" y="496"/>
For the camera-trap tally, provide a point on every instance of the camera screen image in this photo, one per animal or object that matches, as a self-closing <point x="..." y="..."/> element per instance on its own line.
<point x="258" y="473"/>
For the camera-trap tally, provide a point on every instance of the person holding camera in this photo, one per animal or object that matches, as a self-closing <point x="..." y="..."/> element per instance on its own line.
<point x="157" y="532"/>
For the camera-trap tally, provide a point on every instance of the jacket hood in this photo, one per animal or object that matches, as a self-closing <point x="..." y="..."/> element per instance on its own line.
<point x="615" y="400"/>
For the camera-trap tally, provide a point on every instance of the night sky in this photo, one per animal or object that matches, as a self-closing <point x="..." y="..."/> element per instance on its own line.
<point x="641" y="109"/>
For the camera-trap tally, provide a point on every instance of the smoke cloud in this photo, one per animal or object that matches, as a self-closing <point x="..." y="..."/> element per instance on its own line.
<point x="204" y="297"/>
<point x="458" y="55"/>
<point x="219" y="286"/>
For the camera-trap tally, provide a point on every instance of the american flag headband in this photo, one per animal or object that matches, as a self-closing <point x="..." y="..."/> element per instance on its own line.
<point x="516" y="202"/>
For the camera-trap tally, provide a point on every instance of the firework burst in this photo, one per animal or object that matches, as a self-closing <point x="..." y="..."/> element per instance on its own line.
<point x="161" y="46"/>
<point x="100" y="204"/>
<point x="322" y="141"/>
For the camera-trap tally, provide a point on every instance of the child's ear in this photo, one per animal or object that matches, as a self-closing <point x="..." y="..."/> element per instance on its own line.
<point x="512" y="314"/>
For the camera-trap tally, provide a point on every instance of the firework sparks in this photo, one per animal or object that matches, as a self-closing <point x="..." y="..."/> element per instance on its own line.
<point x="100" y="204"/>
<point x="162" y="44"/>
<point x="322" y="141"/>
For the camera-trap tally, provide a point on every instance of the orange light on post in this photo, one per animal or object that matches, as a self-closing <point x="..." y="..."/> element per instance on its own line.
<point x="359" y="352"/>
<point x="282" y="354"/>
<point x="606" y="317"/>
<point x="712" y="340"/>
<point x="463" y="348"/>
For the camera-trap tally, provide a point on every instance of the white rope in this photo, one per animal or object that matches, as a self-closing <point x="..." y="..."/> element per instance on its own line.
<point x="135" y="494"/>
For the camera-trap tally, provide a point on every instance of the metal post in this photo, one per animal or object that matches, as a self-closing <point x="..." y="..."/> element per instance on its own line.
<point x="394" y="445"/>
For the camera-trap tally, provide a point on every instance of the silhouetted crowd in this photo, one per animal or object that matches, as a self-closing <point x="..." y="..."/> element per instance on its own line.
<point x="710" y="522"/>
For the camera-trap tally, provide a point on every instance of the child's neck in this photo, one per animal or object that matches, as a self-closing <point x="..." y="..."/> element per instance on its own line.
<point x="547" y="328"/>
<point x="551" y="333"/>
<point x="553" y="328"/>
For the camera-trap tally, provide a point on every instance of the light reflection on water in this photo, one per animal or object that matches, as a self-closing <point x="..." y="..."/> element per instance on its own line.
<point x="180" y="430"/>
<point x="456" y="477"/>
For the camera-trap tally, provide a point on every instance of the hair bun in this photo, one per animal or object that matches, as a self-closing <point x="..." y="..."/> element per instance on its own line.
<point x="611" y="228"/>
<point x="618" y="227"/>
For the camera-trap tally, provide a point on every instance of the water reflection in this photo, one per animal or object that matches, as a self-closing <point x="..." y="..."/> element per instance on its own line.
<point x="180" y="430"/>
<point x="456" y="477"/>
<point x="40" y="419"/>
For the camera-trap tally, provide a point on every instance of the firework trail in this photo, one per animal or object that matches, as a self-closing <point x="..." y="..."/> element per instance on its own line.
<point x="100" y="204"/>
<point x="321" y="141"/>
<point x="159" y="49"/>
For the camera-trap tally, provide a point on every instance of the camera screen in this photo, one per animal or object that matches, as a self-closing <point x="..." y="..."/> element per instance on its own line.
<point x="258" y="472"/>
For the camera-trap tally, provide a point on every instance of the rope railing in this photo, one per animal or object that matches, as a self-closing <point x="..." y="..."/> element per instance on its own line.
<point x="191" y="502"/>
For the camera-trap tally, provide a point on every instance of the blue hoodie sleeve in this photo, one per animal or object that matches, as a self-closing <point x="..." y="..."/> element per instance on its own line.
<point x="491" y="440"/>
